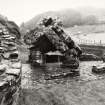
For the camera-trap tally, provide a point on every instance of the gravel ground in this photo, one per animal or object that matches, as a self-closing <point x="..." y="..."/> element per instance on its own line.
<point x="83" y="93"/>
<point x="87" y="89"/>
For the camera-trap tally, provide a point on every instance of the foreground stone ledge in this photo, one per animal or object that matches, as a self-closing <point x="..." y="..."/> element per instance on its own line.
<point x="13" y="71"/>
<point x="16" y="65"/>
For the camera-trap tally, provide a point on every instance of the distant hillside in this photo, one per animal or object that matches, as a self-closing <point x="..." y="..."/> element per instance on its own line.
<point x="99" y="13"/>
<point x="63" y="15"/>
<point x="70" y="17"/>
<point x="86" y="29"/>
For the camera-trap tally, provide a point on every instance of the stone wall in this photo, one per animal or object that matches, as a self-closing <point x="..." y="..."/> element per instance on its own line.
<point x="10" y="80"/>
<point x="10" y="69"/>
<point x="97" y="50"/>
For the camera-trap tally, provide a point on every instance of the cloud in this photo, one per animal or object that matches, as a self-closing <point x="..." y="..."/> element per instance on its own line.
<point x="23" y="10"/>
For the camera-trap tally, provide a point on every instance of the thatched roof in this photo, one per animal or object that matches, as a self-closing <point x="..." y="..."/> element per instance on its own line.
<point x="54" y="33"/>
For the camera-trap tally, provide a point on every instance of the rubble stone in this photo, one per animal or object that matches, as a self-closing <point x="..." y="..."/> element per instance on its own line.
<point x="10" y="69"/>
<point x="2" y="68"/>
<point x="13" y="71"/>
<point x="16" y="65"/>
<point x="3" y="85"/>
<point x="49" y="36"/>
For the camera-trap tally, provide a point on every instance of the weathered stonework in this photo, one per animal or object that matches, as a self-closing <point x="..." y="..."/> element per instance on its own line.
<point x="10" y="70"/>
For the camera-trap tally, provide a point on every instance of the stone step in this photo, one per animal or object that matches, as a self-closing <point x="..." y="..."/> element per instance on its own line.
<point x="13" y="71"/>
<point x="6" y="36"/>
<point x="16" y="65"/>
<point x="9" y="43"/>
<point x="3" y="85"/>
<point x="3" y="68"/>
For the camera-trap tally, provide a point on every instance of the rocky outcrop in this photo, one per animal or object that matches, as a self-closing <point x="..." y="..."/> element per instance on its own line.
<point x="10" y="69"/>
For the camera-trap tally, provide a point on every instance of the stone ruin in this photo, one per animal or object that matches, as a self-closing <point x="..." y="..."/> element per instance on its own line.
<point x="10" y="68"/>
<point x="49" y="39"/>
<point x="51" y="29"/>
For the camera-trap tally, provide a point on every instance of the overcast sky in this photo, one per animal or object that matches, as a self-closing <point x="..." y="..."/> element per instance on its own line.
<point x="23" y="10"/>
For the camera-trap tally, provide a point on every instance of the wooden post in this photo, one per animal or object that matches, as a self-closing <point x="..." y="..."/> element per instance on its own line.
<point x="100" y="42"/>
<point x="59" y="61"/>
<point x="94" y="41"/>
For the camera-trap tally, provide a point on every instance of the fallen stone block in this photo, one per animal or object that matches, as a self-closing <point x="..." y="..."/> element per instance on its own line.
<point x="12" y="71"/>
<point x="14" y="55"/>
<point x="12" y="48"/>
<point x="16" y="65"/>
<point x="15" y="52"/>
<point x="6" y="32"/>
<point x="15" y="60"/>
<point x="2" y="49"/>
<point x="3" y="85"/>
<point x="10" y="79"/>
<point x="99" y="69"/>
<point x="3" y="67"/>
<point x="6" y="36"/>
<point x="10" y="38"/>
<point x="6" y="55"/>
<point x="11" y="55"/>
